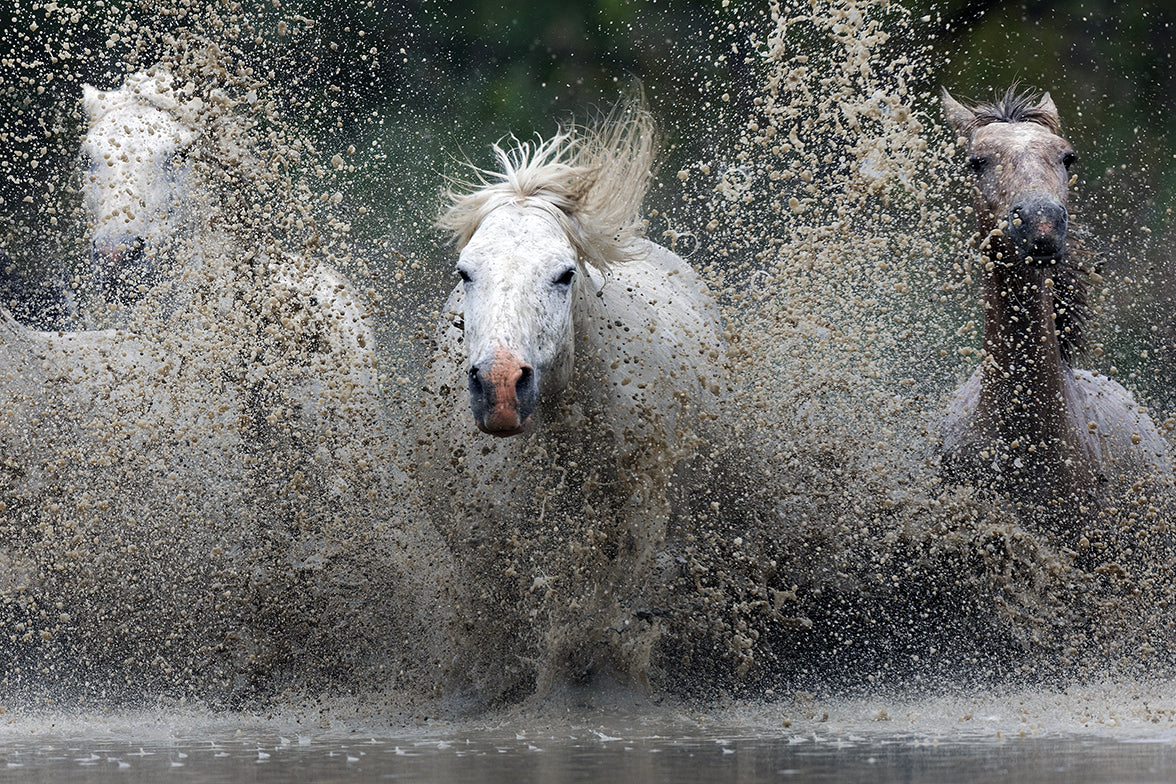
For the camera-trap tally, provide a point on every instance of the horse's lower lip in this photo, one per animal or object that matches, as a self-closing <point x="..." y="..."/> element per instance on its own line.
<point x="501" y="433"/>
<point x="506" y="433"/>
<point x="1040" y="249"/>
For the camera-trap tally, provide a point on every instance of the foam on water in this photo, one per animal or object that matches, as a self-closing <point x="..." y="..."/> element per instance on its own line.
<point x="178" y="523"/>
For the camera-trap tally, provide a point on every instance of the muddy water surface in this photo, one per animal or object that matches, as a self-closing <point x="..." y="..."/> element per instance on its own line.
<point x="1102" y="733"/>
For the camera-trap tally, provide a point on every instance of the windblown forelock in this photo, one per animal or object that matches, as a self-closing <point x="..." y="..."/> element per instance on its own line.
<point x="590" y="180"/>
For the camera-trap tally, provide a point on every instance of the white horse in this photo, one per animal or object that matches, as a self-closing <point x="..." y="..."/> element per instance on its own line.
<point x="236" y="435"/>
<point x="594" y="356"/>
<point x="158" y="233"/>
<point x="137" y="180"/>
<point x="289" y="344"/>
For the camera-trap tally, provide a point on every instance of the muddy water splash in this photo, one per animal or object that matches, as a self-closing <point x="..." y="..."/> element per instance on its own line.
<point x="847" y="259"/>
<point x="176" y="521"/>
<point x="198" y="497"/>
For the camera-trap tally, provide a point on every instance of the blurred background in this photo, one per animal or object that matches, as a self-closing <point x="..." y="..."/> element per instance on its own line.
<point x="417" y="85"/>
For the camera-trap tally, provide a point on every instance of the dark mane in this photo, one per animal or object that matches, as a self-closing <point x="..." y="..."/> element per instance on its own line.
<point x="1014" y="106"/>
<point x="1071" y="279"/>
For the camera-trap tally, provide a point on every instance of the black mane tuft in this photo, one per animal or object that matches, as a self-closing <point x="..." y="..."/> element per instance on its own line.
<point x="1016" y="105"/>
<point x="1071" y="280"/>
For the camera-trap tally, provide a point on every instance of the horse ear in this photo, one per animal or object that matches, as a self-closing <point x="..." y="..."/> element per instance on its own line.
<point x="1046" y="106"/>
<point x="91" y="101"/>
<point x="959" y="117"/>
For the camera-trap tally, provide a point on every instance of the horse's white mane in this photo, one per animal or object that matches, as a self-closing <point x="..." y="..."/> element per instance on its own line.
<point x="591" y="180"/>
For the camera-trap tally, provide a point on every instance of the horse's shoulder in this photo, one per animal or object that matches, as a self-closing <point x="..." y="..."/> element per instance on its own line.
<point x="659" y="292"/>
<point x="655" y="335"/>
<point x="1107" y="401"/>
<point x="665" y="269"/>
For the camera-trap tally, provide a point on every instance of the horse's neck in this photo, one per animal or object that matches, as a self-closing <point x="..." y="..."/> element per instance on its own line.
<point x="1026" y="389"/>
<point x="587" y="319"/>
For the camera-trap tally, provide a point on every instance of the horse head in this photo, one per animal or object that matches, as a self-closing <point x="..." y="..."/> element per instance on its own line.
<point x="519" y="273"/>
<point x="528" y="236"/>
<point x="135" y="172"/>
<point x="1020" y="169"/>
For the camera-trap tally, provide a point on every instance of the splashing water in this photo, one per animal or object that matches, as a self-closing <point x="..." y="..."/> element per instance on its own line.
<point x="201" y="499"/>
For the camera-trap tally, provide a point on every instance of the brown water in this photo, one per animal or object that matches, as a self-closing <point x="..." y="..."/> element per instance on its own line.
<point x="177" y="530"/>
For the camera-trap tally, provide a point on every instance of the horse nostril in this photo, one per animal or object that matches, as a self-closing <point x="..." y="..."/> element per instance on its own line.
<point x="525" y="382"/>
<point x="475" y="381"/>
<point x="1038" y="229"/>
<point x="526" y="392"/>
<point x="135" y="252"/>
<point x="1038" y="215"/>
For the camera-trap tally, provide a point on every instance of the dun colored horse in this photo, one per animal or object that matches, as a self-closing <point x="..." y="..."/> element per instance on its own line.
<point x="1056" y="439"/>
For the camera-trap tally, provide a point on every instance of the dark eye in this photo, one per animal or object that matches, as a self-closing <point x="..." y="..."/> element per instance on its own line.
<point x="1068" y="159"/>
<point x="977" y="163"/>
<point x="566" y="278"/>
<point x="465" y="276"/>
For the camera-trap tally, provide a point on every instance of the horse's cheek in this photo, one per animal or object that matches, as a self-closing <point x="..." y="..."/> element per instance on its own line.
<point x="561" y="343"/>
<point x="472" y="319"/>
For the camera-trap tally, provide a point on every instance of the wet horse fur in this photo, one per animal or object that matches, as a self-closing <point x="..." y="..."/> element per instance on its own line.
<point x="593" y="358"/>
<point x="1056" y="439"/>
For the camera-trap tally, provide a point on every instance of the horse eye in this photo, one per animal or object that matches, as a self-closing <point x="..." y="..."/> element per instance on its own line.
<point x="566" y="278"/>
<point x="465" y="276"/>
<point x="1068" y="159"/>
<point x="977" y="163"/>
